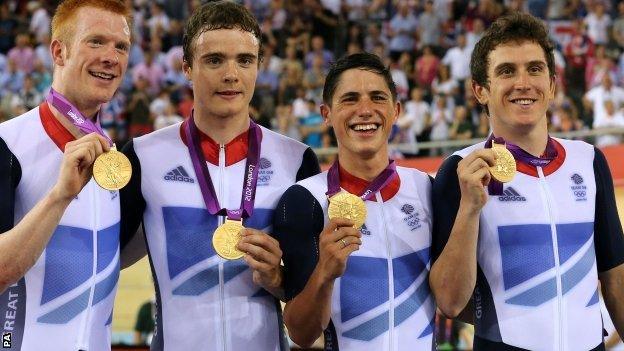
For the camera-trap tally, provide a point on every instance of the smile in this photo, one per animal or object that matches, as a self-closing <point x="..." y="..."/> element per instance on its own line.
<point x="364" y="127"/>
<point x="523" y="101"/>
<point x="102" y="75"/>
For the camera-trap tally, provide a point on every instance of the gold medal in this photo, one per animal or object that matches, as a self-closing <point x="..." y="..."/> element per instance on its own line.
<point x="225" y="239"/>
<point x="349" y="206"/>
<point x="505" y="168"/>
<point x="112" y="170"/>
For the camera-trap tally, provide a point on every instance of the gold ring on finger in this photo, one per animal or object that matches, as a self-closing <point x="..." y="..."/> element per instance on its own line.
<point x="344" y="243"/>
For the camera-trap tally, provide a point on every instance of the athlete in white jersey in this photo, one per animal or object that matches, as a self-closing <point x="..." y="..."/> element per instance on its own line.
<point x="60" y="239"/>
<point x="189" y="178"/>
<point x="530" y="252"/>
<point x="364" y="288"/>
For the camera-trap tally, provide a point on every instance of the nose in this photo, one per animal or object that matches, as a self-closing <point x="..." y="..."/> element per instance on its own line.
<point x="365" y="108"/>
<point x="231" y="72"/>
<point x="522" y="81"/>
<point x="111" y="57"/>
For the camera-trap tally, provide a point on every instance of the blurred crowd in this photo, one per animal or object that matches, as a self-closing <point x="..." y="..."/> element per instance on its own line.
<point x="427" y="45"/>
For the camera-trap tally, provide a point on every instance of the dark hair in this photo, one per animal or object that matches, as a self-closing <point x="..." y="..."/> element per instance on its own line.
<point x="364" y="61"/>
<point x="218" y="15"/>
<point x="516" y="27"/>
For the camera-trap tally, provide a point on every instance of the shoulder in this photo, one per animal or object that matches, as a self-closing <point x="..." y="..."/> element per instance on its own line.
<point x="282" y="140"/>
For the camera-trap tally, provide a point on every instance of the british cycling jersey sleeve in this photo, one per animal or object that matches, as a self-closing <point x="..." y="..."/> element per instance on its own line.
<point x="132" y="203"/>
<point x="309" y="165"/>
<point x="10" y="174"/>
<point x="608" y="237"/>
<point x="297" y="223"/>
<point x="445" y="197"/>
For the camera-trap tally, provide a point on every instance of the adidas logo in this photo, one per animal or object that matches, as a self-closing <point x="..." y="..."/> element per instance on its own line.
<point x="510" y="194"/>
<point x="179" y="174"/>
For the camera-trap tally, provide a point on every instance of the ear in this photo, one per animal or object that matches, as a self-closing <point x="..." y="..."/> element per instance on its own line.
<point x="325" y="112"/>
<point x="56" y="50"/>
<point x="481" y="93"/>
<point x="553" y="87"/>
<point x="397" y="111"/>
<point x="187" y="70"/>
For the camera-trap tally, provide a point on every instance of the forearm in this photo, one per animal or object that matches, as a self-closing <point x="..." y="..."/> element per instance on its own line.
<point x="308" y="314"/>
<point x="27" y="240"/>
<point x="276" y="288"/>
<point x="613" y="294"/>
<point x="453" y="275"/>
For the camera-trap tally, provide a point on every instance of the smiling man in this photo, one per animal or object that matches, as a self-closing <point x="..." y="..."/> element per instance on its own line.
<point x="363" y="285"/>
<point x="213" y="174"/>
<point x="532" y="251"/>
<point x="60" y="239"/>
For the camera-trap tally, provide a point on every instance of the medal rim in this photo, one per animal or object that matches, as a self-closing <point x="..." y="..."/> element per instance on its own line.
<point x="100" y="164"/>
<point x="358" y="222"/>
<point x="220" y="231"/>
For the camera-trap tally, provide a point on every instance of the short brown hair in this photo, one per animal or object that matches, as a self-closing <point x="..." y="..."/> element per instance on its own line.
<point x="218" y="15"/>
<point x="66" y="11"/>
<point x="514" y="28"/>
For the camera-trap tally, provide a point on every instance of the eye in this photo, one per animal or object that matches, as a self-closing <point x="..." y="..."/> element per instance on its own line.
<point x="535" y="69"/>
<point x="213" y="61"/>
<point x="122" y="47"/>
<point x="379" y="98"/>
<point x="95" y="42"/>
<point x="246" y="61"/>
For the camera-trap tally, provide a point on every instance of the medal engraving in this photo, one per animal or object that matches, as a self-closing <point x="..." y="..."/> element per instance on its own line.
<point x="112" y="170"/>
<point x="225" y="239"/>
<point x="349" y="206"/>
<point x="505" y="168"/>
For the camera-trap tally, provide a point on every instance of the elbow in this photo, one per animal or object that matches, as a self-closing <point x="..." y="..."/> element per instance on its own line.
<point x="301" y="341"/>
<point x="298" y="333"/>
<point x="449" y="299"/>
<point x="450" y="310"/>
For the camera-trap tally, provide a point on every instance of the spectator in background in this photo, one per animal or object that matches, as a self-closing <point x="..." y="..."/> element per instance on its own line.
<point x="598" y="23"/>
<point x="28" y="97"/>
<point x="617" y="30"/>
<point x="441" y="116"/>
<point x="400" y="79"/>
<point x="577" y="51"/>
<point x="39" y="19"/>
<point x="458" y="59"/>
<point x="167" y="118"/>
<point x="312" y="126"/>
<point x="291" y="81"/>
<point x="41" y="77"/>
<point x="565" y="119"/>
<point x="594" y="99"/>
<point x="8" y="28"/>
<point x="158" y="22"/>
<point x="474" y="34"/>
<point x="401" y="30"/>
<point x="429" y="26"/>
<point x="144" y="325"/>
<point x="313" y="80"/>
<point x="12" y="79"/>
<point x="23" y="54"/>
<point x="426" y="68"/>
<point x="317" y="49"/>
<point x="445" y="84"/>
<point x="598" y="66"/>
<point x="286" y="123"/>
<point x="374" y="37"/>
<point x="612" y="119"/>
<point x="42" y="51"/>
<point x="414" y="119"/>
<point x="150" y="71"/>
<point x="137" y="110"/>
<point x="461" y="128"/>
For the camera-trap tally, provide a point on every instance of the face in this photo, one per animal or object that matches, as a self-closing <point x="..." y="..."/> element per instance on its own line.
<point x="223" y="72"/>
<point x="91" y="63"/>
<point x="520" y="87"/>
<point x="362" y="113"/>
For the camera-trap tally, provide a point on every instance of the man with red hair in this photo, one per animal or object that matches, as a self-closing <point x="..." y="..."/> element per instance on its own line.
<point x="60" y="239"/>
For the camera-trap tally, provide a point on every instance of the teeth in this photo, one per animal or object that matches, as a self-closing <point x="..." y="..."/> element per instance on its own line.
<point x="365" y="127"/>
<point x="523" y="101"/>
<point x="103" y="75"/>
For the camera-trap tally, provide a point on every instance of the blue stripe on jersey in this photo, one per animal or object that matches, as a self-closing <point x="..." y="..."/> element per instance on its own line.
<point x="576" y="273"/>
<point x="107" y="241"/>
<point x="526" y="252"/>
<point x="570" y="238"/>
<point x="363" y="286"/>
<point x="412" y="304"/>
<point x="370" y="329"/>
<point x="68" y="261"/>
<point x="109" y="321"/>
<point x="407" y="268"/>
<point x="594" y="299"/>
<point x="188" y="233"/>
<point x="536" y="295"/>
<point x="209" y="278"/>
<point x="428" y="330"/>
<point x="260" y="219"/>
<point x="106" y="286"/>
<point x="68" y="311"/>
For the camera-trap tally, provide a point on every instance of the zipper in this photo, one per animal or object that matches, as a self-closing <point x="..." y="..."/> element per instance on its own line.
<point x="221" y="220"/>
<point x="95" y="219"/>
<point x="553" y="231"/>
<point x="390" y="274"/>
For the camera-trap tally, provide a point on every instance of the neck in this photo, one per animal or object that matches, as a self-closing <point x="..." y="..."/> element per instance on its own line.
<point x="367" y="168"/>
<point x="532" y="141"/>
<point x="87" y="112"/>
<point x="221" y="129"/>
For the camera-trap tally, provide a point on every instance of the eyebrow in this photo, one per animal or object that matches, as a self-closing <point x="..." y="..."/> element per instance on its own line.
<point x="505" y="65"/>
<point x="245" y="55"/>
<point x="351" y="94"/>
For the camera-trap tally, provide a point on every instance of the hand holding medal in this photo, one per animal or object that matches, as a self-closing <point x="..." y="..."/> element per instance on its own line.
<point x="504" y="169"/>
<point x="111" y="170"/>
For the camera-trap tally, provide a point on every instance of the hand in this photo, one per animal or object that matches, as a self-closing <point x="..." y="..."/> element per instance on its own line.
<point x="474" y="174"/>
<point x="263" y="255"/>
<point x="336" y="242"/>
<point x="77" y="166"/>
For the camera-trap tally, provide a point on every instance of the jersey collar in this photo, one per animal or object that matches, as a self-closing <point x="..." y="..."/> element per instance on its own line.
<point x="53" y="127"/>
<point x="356" y="185"/>
<point x="553" y="166"/>
<point x="235" y="150"/>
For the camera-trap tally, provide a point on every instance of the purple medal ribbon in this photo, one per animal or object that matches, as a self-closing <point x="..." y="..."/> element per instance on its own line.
<point x="495" y="187"/>
<point x="70" y="112"/>
<point x="333" y="181"/>
<point x="203" y="175"/>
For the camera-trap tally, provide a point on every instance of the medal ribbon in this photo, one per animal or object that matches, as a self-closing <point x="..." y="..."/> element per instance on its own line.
<point x="333" y="181"/>
<point x="495" y="187"/>
<point x="72" y="114"/>
<point x="203" y="175"/>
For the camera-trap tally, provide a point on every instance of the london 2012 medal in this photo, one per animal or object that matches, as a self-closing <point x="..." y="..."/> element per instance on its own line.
<point x="349" y="206"/>
<point x="112" y="170"/>
<point x="225" y="239"/>
<point x="504" y="169"/>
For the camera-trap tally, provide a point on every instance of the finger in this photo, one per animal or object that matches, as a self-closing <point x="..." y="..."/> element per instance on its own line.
<point x="81" y="156"/>
<point x="475" y="166"/>
<point x="261" y="238"/>
<point x="349" y="240"/>
<point x="336" y="223"/>
<point x="256" y="265"/>
<point x="259" y="253"/>
<point x="339" y="234"/>
<point x="488" y="155"/>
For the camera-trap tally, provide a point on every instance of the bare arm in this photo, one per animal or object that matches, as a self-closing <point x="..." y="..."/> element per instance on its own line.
<point x="454" y="274"/>
<point x="26" y="241"/>
<point x="308" y="314"/>
<point x="612" y="282"/>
